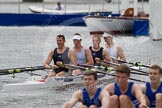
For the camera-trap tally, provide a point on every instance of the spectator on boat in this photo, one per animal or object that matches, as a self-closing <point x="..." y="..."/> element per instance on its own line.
<point x="83" y="55"/>
<point x="90" y="95"/>
<point x="60" y="55"/>
<point x="125" y="94"/>
<point x="98" y="53"/>
<point x="153" y="89"/>
<point x="59" y="6"/>
<point x="115" y="51"/>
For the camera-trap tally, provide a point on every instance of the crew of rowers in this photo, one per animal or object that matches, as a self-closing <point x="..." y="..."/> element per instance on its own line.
<point x="121" y="94"/>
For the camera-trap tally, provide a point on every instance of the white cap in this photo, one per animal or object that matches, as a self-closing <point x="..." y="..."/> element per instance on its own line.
<point x="78" y="37"/>
<point x="107" y="35"/>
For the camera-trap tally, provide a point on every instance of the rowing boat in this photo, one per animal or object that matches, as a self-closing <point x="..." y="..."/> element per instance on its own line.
<point x="36" y="82"/>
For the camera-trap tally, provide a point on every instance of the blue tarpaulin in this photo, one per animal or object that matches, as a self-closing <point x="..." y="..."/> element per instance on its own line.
<point x="28" y="19"/>
<point x="141" y="27"/>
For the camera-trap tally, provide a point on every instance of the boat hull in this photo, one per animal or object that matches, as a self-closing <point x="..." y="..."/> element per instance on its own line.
<point x="116" y="25"/>
<point x="36" y="83"/>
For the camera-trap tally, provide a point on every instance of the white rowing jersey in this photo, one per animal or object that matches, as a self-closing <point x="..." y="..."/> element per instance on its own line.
<point x="112" y="51"/>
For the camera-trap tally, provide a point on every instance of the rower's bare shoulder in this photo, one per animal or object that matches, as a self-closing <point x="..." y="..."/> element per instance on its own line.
<point x="78" y="94"/>
<point x="119" y="47"/>
<point x="71" y="51"/>
<point x="87" y="49"/>
<point x="109" y="87"/>
<point x="51" y="53"/>
<point x="105" y="52"/>
<point x="136" y="87"/>
<point x="143" y="87"/>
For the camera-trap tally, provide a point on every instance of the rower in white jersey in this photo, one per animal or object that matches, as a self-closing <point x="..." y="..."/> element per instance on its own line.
<point x="115" y="51"/>
<point x="83" y="55"/>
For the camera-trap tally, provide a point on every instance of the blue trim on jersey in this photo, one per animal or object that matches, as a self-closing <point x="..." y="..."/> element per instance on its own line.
<point x="127" y="93"/>
<point x="151" y="95"/>
<point x="98" y="54"/>
<point x="61" y="57"/>
<point x="94" y="101"/>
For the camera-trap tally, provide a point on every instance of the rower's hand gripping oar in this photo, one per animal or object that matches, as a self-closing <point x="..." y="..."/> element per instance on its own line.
<point x="134" y="64"/>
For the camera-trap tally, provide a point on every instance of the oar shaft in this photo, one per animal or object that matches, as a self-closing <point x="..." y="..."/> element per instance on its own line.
<point x="138" y="70"/>
<point x="137" y="80"/>
<point x="74" y="67"/>
<point x="136" y="64"/>
<point x="19" y="70"/>
<point x="97" y="70"/>
<point x="119" y="64"/>
<point x="115" y="75"/>
<point x="139" y="73"/>
<point x="85" y="65"/>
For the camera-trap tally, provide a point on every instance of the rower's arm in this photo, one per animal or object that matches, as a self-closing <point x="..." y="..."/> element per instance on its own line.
<point x="143" y="87"/>
<point x="75" y="98"/>
<point x="72" y="57"/>
<point x="48" y="60"/>
<point x="139" y="95"/>
<point x="89" y="57"/>
<point x="120" y="53"/>
<point x="105" y="99"/>
<point x="110" y="88"/>
<point x="106" y="56"/>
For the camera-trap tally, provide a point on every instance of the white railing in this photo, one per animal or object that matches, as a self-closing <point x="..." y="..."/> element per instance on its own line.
<point x="18" y="6"/>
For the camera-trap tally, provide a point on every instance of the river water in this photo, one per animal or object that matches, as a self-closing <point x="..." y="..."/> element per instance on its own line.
<point x="29" y="46"/>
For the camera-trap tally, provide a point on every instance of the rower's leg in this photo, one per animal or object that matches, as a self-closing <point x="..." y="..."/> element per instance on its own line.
<point x="125" y="102"/>
<point x="159" y="100"/>
<point x="62" y="73"/>
<point x="93" y="106"/>
<point x="51" y="74"/>
<point x="82" y="106"/>
<point x="114" y="101"/>
<point x="76" y="72"/>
